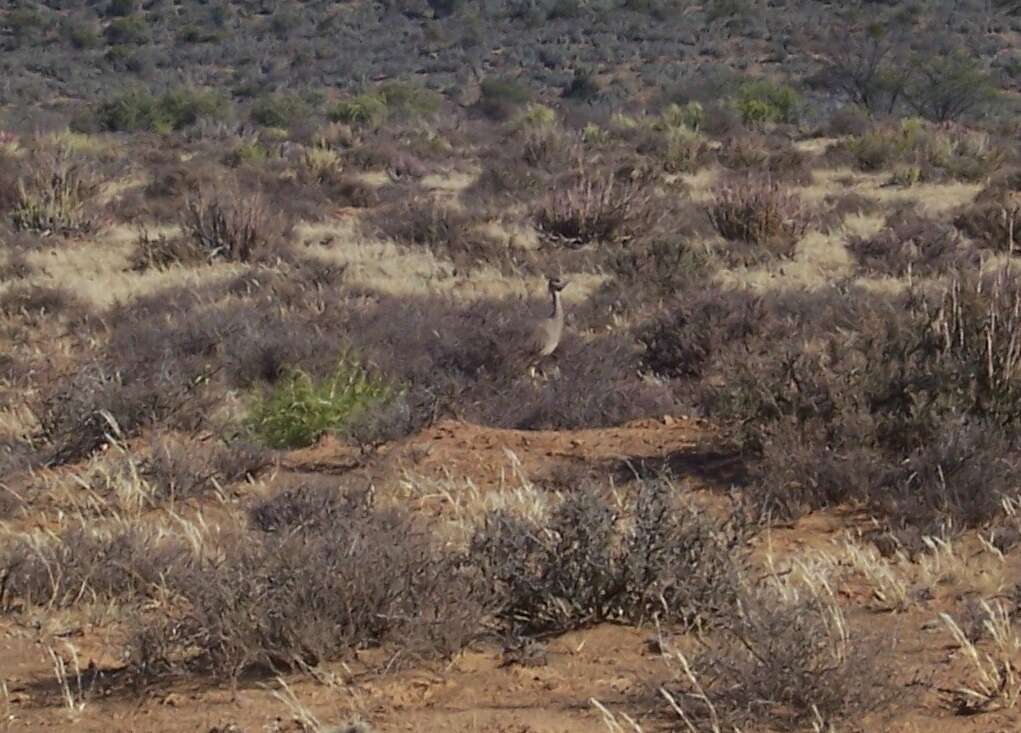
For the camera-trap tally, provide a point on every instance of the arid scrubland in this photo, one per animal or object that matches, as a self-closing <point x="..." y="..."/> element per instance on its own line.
<point x="270" y="454"/>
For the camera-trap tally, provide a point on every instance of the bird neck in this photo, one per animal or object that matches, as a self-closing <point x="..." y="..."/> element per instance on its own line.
<point x="558" y="307"/>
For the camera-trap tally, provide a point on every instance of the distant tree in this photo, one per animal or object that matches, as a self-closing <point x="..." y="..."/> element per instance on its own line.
<point x="948" y="87"/>
<point x="864" y="55"/>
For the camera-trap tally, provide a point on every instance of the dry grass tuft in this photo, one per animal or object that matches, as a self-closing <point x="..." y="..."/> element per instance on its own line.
<point x="761" y="212"/>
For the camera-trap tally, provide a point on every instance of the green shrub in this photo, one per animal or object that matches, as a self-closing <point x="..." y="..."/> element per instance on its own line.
<point x="300" y="409"/>
<point x="277" y="110"/>
<point x="762" y="102"/>
<point x="584" y="86"/>
<point x="285" y="20"/>
<point x="501" y="98"/>
<point x="173" y="110"/>
<point x="247" y="151"/>
<point x="405" y="99"/>
<point x="959" y="154"/>
<point x="365" y="110"/>
<point x="128" y="30"/>
<point x="685" y="150"/>
<point x="81" y="34"/>
<point x="691" y="116"/>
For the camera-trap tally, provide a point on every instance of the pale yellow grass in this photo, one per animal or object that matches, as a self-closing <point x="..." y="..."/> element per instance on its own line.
<point x="449" y="181"/>
<point x="701" y="183"/>
<point x="98" y="270"/>
<point x="389" y="268"/>
<point x="933" y="198"/>
<point x="864" y="226"/>
<point x="819" y="260"/>
<point x="375" y="179"/>
<point x="816" y="145"/>
<point x="79" y="143"/>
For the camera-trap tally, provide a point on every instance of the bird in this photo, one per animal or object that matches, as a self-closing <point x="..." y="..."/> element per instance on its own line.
<point x="547" y="332"/>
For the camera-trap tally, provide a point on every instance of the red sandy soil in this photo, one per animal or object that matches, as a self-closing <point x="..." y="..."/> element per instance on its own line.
<point x="481" y="689"/>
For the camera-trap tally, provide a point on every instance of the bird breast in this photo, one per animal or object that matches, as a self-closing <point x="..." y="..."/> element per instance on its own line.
<point x="548" y="335"/>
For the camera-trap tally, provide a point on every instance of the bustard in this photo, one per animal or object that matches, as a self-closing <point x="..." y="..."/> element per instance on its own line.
<point x="546" y="336"/>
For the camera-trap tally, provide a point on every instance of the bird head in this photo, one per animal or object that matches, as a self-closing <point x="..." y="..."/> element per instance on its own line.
<point x="556" y="284"/>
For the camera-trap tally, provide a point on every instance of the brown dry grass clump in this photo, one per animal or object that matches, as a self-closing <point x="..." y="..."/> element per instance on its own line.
<point x="760" y="212"/>
<point x="594" y="205"/>
<point x="58" y="196"/>
<point x="995" y="217"/>
<point x="227" y="224"/>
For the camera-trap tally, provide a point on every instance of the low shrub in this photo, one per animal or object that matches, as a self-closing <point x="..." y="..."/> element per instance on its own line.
<point x="449" y="232"/>
<point x="501" y="98"/>
<point x="596" y="206"/>
<point x="161" y="250"/>
<point x="587" y="564"/>
<point x="57" y="197"/>
<point x="85" y="410"/>
<point x="937" y="154"/>
<point x="994" y="219"/>
<point x="761" y="212"/>
<point x="406" y="100"/>
<point x="662" y="265"/>
<point x="762" y="102"/>
<point x="365" y="111"/>
<point x="39" y="300"/>
<point x="278" y="110"/>
<point x="685" y="341"/>
<point x="753" y="154"/>
<point x="912" y="243"/>
<point x="299" y="409"/>
<point x="173" y="110"/>
<point x="782" y="660"/>
<point x="177" y="470"/>
<point x="286" y="600"/>
<point x="855" y="398"/>
<point x="82" y="565"/>
<point x="227" y="224"/>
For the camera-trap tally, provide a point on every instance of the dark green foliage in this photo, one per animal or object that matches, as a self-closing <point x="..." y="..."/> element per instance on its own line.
<point x="129" y="30"/>
<point x="584" y="86"/>
<point x="502" y="97"/>
<point x="278" y="110"/>
<point x="950" y="86"/>
<point x="120" y="8"/>
<point x="173" y="110"/>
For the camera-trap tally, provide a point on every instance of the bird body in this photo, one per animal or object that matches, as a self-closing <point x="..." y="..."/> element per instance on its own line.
<point x="548" y="331"/>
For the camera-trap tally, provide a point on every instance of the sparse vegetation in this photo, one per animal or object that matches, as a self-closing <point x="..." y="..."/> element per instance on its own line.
<point x="270" y="412"/>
